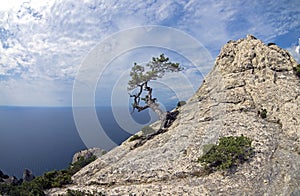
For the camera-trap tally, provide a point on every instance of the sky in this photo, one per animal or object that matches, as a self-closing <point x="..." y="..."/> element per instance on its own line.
<point x="53" y="52"/>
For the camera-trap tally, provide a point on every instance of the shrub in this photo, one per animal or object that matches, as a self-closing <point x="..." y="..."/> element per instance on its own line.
<point x="206" y="148"/>
<point x="147" y="130"/>
<point x="181" y="103"/>
<point x="227" y="154"/>
<point x="26" y="188"/>
<point x="80" y="163"/>
<point x="297" y="70"/>
<point x="134" y="137"/>
<point x="49" y="180"/>
<point x="262" y="113"/>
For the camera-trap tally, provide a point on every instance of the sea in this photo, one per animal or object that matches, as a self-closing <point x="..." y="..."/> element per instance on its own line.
<point x="42" y="139"/>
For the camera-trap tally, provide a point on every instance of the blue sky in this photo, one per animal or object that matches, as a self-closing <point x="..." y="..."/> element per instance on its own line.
<point x="43" y="44"/>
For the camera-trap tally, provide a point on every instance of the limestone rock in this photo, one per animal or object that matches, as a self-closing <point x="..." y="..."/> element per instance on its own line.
<point x="248" y="76"/>
<point x="88" y="153"/>
<point x="27" y="175"/>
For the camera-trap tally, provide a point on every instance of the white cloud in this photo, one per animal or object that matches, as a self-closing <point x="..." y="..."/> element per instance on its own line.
<point x="47" y="40"/>
<point x="33" y="93"/>
<point x="292" y="51"/>
<point x="216" y="22"/>
<point x="4" y="6"/>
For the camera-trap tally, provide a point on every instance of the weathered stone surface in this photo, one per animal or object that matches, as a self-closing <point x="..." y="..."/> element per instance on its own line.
<point x="88" y="153"/>
<point x="248" y="76"/>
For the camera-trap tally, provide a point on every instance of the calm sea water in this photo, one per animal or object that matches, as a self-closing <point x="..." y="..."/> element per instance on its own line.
<point x="44" y="139"/>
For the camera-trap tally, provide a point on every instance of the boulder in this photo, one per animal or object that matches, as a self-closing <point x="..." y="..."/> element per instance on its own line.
<point x="27" y="176"/>
<point x="88" y="153"/>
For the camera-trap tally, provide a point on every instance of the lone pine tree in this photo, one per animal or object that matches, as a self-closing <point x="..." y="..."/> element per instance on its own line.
<point x="140" y="78"/>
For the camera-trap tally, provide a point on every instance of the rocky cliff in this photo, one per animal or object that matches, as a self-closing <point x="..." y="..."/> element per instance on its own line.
<point x="248" y="77"/>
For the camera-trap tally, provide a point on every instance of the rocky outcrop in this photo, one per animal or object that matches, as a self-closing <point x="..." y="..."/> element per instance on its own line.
<point x="12" y="180"/>
<point x="27" y="175"/>
<point x="88" y="153"/>
<point x="2" y="175"/>
<point x="248" y="77"/>
<point x="9" y="180"/>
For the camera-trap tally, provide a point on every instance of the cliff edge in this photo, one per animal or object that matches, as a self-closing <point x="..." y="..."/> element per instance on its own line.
<point x="248" y="77"/>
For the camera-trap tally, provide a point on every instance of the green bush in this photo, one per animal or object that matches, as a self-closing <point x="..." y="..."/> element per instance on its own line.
<point x="147" y="130"/>
<point x="5" y="188"/>
<point x="262" y="113"/>
<point x="25" y="189"/>
<point x="207" y="147"/>
<point x="80" y="163"/>
<point x="49" y="180"/>
<point x="181" y="103"/>
<point x="28" y="188"/>
<point x="134" y="137"/>
<point x="228" y="153"/>
<point x="297" y="70"/>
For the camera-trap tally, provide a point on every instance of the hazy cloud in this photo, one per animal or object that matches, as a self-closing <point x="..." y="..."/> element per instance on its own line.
<point x="44" y="42"/>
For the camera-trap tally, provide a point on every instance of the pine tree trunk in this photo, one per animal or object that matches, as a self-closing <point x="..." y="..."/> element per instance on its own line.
<point x="162" y="115"/>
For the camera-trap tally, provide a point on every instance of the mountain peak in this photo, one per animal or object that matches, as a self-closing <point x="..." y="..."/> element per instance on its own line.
<point x="249" y="77"/>
<point x="252" y="54"/>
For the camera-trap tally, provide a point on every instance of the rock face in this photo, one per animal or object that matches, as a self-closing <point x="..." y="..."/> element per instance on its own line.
<point x="248" y="77"/>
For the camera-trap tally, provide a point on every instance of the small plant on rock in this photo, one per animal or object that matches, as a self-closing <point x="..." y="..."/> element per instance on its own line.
<point x="262" y="113"/>
<point x="181" y="103"/>
<point x="134" y="137"/>
<point x="227" y="154"/>
<point x="297" y="70"/>
<point x="147" y="130"/>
